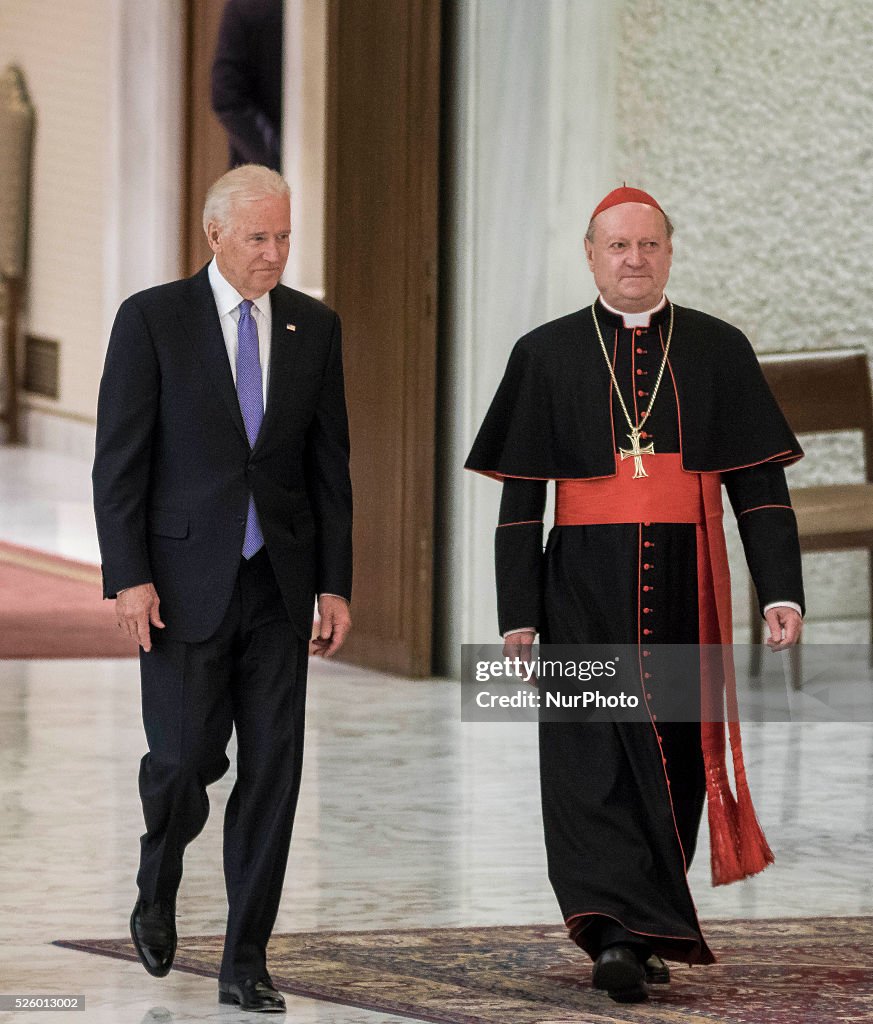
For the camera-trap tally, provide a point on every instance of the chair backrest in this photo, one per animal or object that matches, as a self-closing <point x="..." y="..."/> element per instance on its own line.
<point x="824" y="391"/>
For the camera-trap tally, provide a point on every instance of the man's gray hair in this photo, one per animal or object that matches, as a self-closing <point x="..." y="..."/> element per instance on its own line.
<point x="589" y="234"/>
<point x="251" y="181"/>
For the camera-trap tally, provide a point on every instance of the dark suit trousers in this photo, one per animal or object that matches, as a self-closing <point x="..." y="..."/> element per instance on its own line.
<point x="251" y="675"/>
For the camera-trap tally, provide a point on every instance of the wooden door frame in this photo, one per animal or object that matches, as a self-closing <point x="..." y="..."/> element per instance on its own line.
<point x="411" y="653"/>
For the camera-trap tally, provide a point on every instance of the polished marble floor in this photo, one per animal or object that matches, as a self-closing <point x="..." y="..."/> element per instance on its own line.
<point x="408" y="817"/>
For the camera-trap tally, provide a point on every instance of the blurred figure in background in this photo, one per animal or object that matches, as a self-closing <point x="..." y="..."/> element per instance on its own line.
<point x="247" y="81"/>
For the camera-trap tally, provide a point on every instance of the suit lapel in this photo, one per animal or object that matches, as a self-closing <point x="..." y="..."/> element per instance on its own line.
<point x="203" y="326"/>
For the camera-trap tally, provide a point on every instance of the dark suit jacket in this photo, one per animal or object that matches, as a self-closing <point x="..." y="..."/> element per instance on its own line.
<point x="247" y="80"/>
<point x="173" y="469"/>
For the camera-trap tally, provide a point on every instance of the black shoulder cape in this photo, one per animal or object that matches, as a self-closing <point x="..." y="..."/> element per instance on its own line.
<point x="551" y="416"/>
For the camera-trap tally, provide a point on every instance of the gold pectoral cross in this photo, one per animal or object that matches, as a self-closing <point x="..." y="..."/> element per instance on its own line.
<point x="637" y="451"/>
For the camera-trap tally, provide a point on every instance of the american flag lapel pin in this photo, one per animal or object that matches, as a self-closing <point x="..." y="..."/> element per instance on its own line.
<point x="290" y="327"/>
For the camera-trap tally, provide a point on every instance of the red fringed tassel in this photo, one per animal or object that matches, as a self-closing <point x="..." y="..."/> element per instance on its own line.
<point x="724" y="845"/>
<point x="738" y="847"/>
<point x="722" y="810"/>
<point x="755" y="852"/>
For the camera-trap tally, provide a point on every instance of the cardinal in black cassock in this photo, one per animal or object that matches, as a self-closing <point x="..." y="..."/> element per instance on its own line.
<point x="639" y="410"/>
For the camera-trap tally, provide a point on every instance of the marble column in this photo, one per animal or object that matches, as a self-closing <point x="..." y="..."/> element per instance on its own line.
<point x="303" y="139"/>
<point x="529" y="144"/>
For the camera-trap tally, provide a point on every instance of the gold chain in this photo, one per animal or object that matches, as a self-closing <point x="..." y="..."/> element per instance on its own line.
<point x="634" y="428"/>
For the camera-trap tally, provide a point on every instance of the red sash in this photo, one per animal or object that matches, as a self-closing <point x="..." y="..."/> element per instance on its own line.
<point x="671" y="495"/>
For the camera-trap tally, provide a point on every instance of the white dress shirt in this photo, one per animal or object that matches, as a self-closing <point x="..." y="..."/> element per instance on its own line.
<point x="227" y="300"/>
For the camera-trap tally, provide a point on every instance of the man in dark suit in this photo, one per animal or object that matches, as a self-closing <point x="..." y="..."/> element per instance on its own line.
<point x="247" y="80"/>
<point x="216" y="531"/>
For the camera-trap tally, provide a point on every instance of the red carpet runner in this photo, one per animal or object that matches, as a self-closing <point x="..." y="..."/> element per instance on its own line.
<point x="52" y="607"/>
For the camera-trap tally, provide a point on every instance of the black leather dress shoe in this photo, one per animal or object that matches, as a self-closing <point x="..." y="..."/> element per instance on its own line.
<point x="153" y="930"/>
<point x="619" y="971"/>
<point x="657" y="972"/>
<point x="256" y="996"/>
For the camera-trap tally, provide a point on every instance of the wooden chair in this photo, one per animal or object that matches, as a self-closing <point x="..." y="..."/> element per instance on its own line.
<point x="823" y="392"/>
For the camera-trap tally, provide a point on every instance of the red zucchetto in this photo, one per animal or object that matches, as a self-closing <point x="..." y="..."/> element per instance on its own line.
<point x="625" y="195"/>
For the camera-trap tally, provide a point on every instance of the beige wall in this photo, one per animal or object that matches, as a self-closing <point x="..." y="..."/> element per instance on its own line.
<point x="105" y="77"/>
<point x="63" y="50"/>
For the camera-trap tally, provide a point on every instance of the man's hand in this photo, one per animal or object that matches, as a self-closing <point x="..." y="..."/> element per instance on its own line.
<point x="333" y="626"/>
<point x="135" y="609"/>
<point x="785" y="626"/>
<point x="520" y="645"/>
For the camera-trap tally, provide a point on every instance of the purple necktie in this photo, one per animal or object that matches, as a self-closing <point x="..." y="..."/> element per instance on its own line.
<point x="250" y="388"/>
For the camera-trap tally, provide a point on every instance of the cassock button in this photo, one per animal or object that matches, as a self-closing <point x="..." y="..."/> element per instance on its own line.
<point x="647" y="524"/>
<point x="648" y="544"/>
<point x="641" y="373"/>
<point x="646" y="565"/>
<point x="641" y="351"/>
<point x="647" y="588"/>
<point x="646" y="654"/>
<point x="642" y="394"/>
<point x="648" y="675"/>
<point x="647" y="611"/>
<point x="639" y="332"/>
<point x="648" y="696"/>
<point x="647" y="632"/>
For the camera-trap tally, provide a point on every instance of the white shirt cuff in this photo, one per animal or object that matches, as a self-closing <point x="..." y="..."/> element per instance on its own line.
<point x="783" y="604"/>
<point x="521" y="629"/>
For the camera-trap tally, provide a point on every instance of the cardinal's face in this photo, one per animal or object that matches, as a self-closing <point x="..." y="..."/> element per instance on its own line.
<point x="630" y="256"/>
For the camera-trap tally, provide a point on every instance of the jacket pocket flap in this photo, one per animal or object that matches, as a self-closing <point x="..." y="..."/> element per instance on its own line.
<point x="168" y="524"/>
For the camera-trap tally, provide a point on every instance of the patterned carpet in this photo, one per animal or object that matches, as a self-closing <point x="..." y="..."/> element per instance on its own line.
<point x="52" y="607"/>
<point x="790" y="971"/>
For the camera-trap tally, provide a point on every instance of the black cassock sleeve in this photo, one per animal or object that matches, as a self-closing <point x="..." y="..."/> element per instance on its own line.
<point x="768" y="529"/>
<point x="518" y="549"/>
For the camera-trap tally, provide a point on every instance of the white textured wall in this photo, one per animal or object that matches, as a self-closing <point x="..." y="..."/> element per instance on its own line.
<point x="751" y="123"/>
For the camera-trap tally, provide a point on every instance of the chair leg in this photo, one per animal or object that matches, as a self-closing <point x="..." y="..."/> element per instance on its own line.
<point x="795" y="660"/>
<point x="870" y="582"/>
<point x="756" y="649"/>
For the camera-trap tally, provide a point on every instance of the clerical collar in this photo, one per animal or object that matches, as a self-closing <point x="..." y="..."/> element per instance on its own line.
<point x="636" y="319"/>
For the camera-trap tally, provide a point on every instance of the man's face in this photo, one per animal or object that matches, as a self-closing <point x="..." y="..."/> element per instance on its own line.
<point x="251" y="249"/>
<point x="630" y="257"/>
